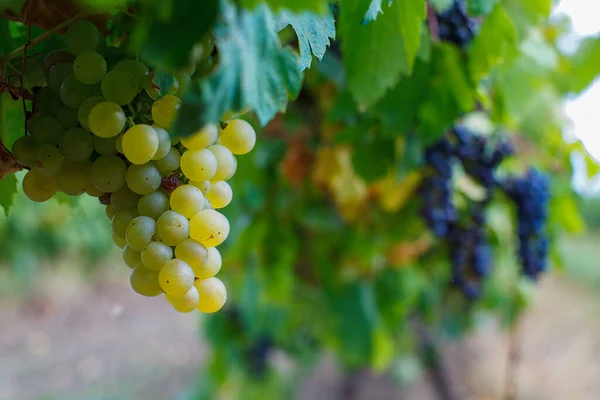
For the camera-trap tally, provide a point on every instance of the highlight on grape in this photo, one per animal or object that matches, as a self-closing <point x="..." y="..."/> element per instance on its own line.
<point x="100" y="127"/>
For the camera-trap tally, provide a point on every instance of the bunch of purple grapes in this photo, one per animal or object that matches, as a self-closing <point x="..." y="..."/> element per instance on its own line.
<point x="455" y="25"/>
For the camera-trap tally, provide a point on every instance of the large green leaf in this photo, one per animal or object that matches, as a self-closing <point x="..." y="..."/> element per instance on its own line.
<point x="372" y="160"/>
<point x="376" y="53"/>
<point x="585" y="65"/>
<point x="314" y="32"/>
<point x="481" y="7"/>
<point x="12" y="119"/>
<point x="319" y="6"/>
<point x="8" y="189"/>
<point x="254" y="71"/>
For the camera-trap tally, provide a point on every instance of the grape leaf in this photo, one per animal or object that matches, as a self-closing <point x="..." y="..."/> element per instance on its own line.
<point x="254" y="71"/>
<point x="585" y="65"/>
<point x="313" y="31"/>
<point x="481" y="7"/>
<point x="162" y="81"/>
<point x="8" y="189"/>
<point x="191" y="20"/>
<point x="372" y="160"/>
<point x="441" y="5"/>
<point x="319" y="6"/>
<point x="373" y="11"/>
<point x="377" y="53"/>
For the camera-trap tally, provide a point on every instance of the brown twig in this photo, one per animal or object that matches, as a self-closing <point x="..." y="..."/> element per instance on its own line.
<point x="432" y="21"/>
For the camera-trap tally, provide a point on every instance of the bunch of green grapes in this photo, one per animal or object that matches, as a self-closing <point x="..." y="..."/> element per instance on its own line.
<point x="91" y="134"/>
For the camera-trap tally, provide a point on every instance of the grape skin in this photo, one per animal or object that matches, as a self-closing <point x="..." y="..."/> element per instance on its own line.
<point x="140" y="232"/>
<point x="145" y="282"/>
<point x="76" y="145"/>
<point x="108" y="173"/>
<point x="73" y="92"/>
<point x="83" y="36"/>
<point x="135" y="68"/>
<point x="226" y="163"/>
<point x="213" y="295"/>
<point x="153" y="204"/>
<point x="25" y="150"/>
<point x="49" y="161"/>
<point x="107" y="119"/>
<point x="143" y="179"/>
<point x="202" y="138"/>
<point x="119" y="86"/>
<point x="172" y="228"/>
<point x="121" y="220"/>
<point x="156" y="254"/>
<point x="74" y="177"/>
<point x="140" y="144"/>
<point x="238" y="136"/>
<point x="83" y="113"/>
<point x="131" y="257"/>
<point x="199" y="165"/>
<point x="164" y="143"/>
<point x="89" y="67"/>
<point x="124" y="198"/>
<point x="187" y="200"/>
<point x="186" y="303"/>
<point x="169" y="163"/>
<point x="164" y="110"/>
<point x="209" y="227"/>
<point x="220" y="194"/>
<point x="176" y="278"/>
<point x="37" y="187"/>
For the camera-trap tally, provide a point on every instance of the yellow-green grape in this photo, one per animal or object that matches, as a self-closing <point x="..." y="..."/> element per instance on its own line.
<point x="107" y="119"/>
<point x="196" y="255"/>
<point x="110" y="212"/>
<point x="119" y="86"/>
<point x="145" y="282"/>
<point x="153" y="205"/>
<point x="186" y="303"/>
<point x="232" y="170"/>
<point x="34" y="119"/>
<point x="202" y="138"/>
<point x="149" y="87"/>
<point x="83" y="36"/>
<point x="140" y="232"/>
<point x="207" y="204"/>
<point x="135" y="68"/>
<point x="204" y="186"/>
<point x="47" y="131"/>
<point x="121" y="220"/>
<point x="143" y="179"/>
<point x="119" y="241"/>
<point x="187" y="200"/>
<point x="156" y="254"/>
<point x="220" y="194"/>
<point x="164" y="143"/>
<point x="25" y="150"/>
<point x="124" y="198"/>
<point x="132" y="258"/>
<point x="108" y="173"/>
<point x="76" y="144"/>
<point x="119" y="143"/>
<point x="105" y="146"/>
<point x="83" y="113"/>
<point x="209" y="227"/>
<point x="229" y="115"/>
<point x="56" y="76"/>
<point x="39" y="188"/>
<point x="176" y="278"/>
<point x="49" y="161"/>
<point x="67" y="117"/>
<point x="164" y="110"/>
<point x="140" y="143"/>
<point x="199" y="165"/>
<point x="73" y="92"/>
<point x="169" y="163"/>
<point x="184" y="80"/>
<point x="74" y="178"/>
<point x="238" y="136"/>
<point x="226" y="162"/>
<point x="172" y="228"/>
<point x="213" y="295"/>
<point x="93" y="191"/>
<point x="89" y="67"/>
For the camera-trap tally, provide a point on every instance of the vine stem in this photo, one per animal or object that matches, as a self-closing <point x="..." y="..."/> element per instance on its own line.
<point x="65" y="24"/>
<point x="432" y="21"/>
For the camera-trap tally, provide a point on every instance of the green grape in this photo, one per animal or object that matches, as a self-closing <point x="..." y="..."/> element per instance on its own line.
<point x="93" y="191"/>
<point x="107" y="119"/>
<point x="49" y="160"/>
<point x="140" y="143"/>
<point x="47" y="131"/>
<point x="186" y="303"/>
<point x="67" y="117"/>
<point x="132" y="258"/>
<point x="83" y="36"/>
<point x="238" y="136"/>
<point x="164" y="143"/>
<point x="232" y="172"/>
<point x="74" y="177"/>
<point x="119" y="143"/>
<point x="135" y="68"/>
<point x="176" y="278"/>
<point x="108" y="173"/>
<point x="202" y="138"/>
<point x="184" y="81"/>
<point x="187" y="200"/>
<point x="56" y="57"/>
<point x="124" y="198"/>
<point x="207" y="204"/>
<point x="119" y="86"/>
<point x="113" y="55"/>
<point x="145" y="282"/>
<point x="209" y="227"/>
<point x="169" y="163"/>
<point x="226" y="162"/>
<point x="143" y="179"/>
<point x="110" y="212"/>
<point x="195" y="255"/>
<point x="204" y="186"/>
<point x="213" y="295"/>
<point x="83" y="113"/>
<point x="121" y="220"/>
<point x="39" y="188"/>
<point x="73" y="93"/>
<point x="33" y="120"/>
<point x="89" y="67"/>
<point x="76" y="144"/>
<point x="172" y="228"/>
<point x="105" y="146"/>
<point x="220" y="194"/>
<point x="164" y="110"/>
<point x="119" y="241"/>
<point x="153" y="204"/>
<point x="46" y="101"/>
<point x="97" y="89"/>
<point x="199" y="165"/>
<point x="140" y="232"/>
<point x="212" y="266"/>
<point x="156" y="254"/>
<point x="25" y="150"/>
<point x="57" y="75"/>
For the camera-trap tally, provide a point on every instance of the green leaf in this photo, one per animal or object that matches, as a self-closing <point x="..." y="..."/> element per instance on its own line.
<point x="7" y="43"/>
<point x="373" y="11"/>
<point x="377" y="53"/>
<point x="585" y="65"/>
<point x="372" y="160"/>
<point x="481" y="7"/>
<point x="8" y="189"/>
<point x="12" y="119"/>
<point x="191" y="19"/>
<point x="441" y="5"/>
<point x="254" y="71"/>
<point x="320" y="6"/>
<point x="499" y="30"/>
<point x="314" y="32"/>
<point x="162" y="81"/>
